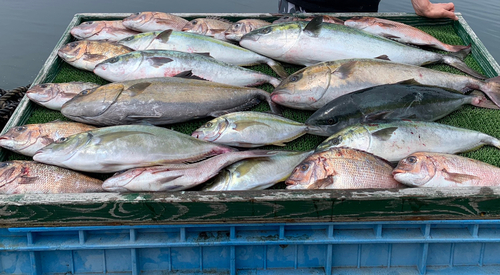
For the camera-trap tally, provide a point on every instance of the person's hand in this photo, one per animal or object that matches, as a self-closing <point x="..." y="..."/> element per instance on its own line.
<point x="438" y="10"/>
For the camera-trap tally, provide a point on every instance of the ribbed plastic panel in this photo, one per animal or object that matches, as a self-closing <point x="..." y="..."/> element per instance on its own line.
<point x="430" y="247"/>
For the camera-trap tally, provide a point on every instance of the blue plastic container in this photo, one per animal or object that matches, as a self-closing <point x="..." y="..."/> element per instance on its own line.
<point x="405" y="247"/>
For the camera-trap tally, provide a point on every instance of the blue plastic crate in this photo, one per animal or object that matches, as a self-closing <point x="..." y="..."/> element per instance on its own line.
<point x="403" y="247"/>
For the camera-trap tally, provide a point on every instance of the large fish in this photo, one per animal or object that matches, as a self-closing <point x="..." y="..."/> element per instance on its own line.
<point x="101" y="30"/>
<point x="86" y="54"/>
<point x="250" y="129"/>
<point x="210" y="26"/>
<point x="257" y="174"/>
<point x="29" y="138"/>
<point x="295" y="17"/>
<point x="159" y="101"/>
<point x="197" y="43"/>
<point x="163" y="63"/>
<point x="116" y="148"/>
<point x="175" y="177"/>
<point x="30" y="177"/>
<point x="54" y="95"/>
<point x="392" y="102"/>
<point x="242" y="27"/>
<point x="396" y="140"/>
<point x="400" y="32"/>
<point x="310" y="43"/>
<point x="149" y="21"/>
<point x="312" y="87"/>
<point x="342" y="168"/>
<point x="425" y="169"/>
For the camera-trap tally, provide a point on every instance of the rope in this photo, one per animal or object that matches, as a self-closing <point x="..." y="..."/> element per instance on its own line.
<point x="9" y="100"/>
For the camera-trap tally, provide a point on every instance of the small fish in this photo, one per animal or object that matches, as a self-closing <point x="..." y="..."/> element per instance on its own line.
<point x="211" y="26"/>
<point x="424" y="169"/>
<point x="400" y="32"/>
<point x="392" y="102"/>
<point x="54" y="95"/>
<point x="116" y="148"/>
<point x="250" y="129"/>
<point x="396" y="140"/>
<point x="242" y="27"/>
<point x="149" y="21"/>
<point x="163" y="63"/>
<point x="29" y="138"/>
<point x="342" y="168"/>
<point x="292" y="18"/>
<point x="29" y="177"/>
<point x="175" y="177"/>
<point x="101" y="30"/>
<point x="86" y="54"/>
<point x="257" y="174"/>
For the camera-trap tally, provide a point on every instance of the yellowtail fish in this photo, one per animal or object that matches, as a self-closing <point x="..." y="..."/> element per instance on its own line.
<point x="29" y="138"/>
<point x="149" y="21"/>
<point x="342" y="168"/>
<point x="425" y="169"/>
<point x="54" y="95"/>
<point x="101" y="30"/>
<point x="242" y="27"/>
<point x="296" y="17"/>
<point x="30" y="177"/>
<point x="210" y="26"/>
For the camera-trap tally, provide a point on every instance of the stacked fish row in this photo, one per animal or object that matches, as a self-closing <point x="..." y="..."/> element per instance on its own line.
<point x="344" y="91"/>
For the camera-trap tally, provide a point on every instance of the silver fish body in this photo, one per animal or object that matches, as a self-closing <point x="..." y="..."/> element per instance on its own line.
<point x="116" y="148"/>
<point x="165" y="63"/>
<point x="101" y="30"/>
<point x="150" y="21"/>
<point x="54" y="95"/>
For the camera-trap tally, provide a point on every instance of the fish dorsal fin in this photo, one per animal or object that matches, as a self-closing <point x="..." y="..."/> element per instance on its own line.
<point x="383" y="57"/>
<point x="164" y="35"/>
<point x="314" y="26"/>
<point x="410" y="81"/>
<point x="384" y="134"/>
<point x="345" y="70"/>
<point x="163" y="21"/>
<point x="458" y="177"/>
<point x="219" y="19"/>
<point x="242" y="125"/>
<point x="390" y="36"/>
<point x="138" y="88"/>
<point x="189" y="75"/>
<point x="387" y="25"/>
<point x="159" y="61"/>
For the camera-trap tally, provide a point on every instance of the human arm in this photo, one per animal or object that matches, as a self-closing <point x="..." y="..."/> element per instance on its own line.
<point x="438" y="10"/>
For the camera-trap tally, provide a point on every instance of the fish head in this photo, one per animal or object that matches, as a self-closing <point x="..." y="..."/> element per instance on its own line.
<point x="137" y="19"/>
<point x="11" y="174"/>
<point x="236" y="31"/>
<point x="308" y="173"/>
<point x="139" y="41"/>
<point x="197" y="26"/>
<point x="359" y="22"/>
<point x="21" y="138"/>
<point x="87" y="29"/>
<point x="415" y="170"/>
<point x="73" y="51"/>
<point x="92" y="102"/>
<point x="63" y="149"/>
<point x="336" y="115"/>
<point x="119" y="180"/>
<point x="286" y="18"/>
<point x="211" y="130"/>
<point x="118" y="67"/>
<point x="43" y="93"/>
<point x="303" y="88"/>
<point x="355" y="137"/>
<point x="272" y="40"/>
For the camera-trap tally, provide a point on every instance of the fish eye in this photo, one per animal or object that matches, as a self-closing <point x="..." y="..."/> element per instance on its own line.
<point x="265" y="30"/>
<point x="43" y="86"/>
<point x="89" y="23"/>
<point x="137" y="13"/>
<point x="208" y="124"/>
<point x="237" y="25"/>
<point x="336" y="141"/>
<point x="3" y="164"/>
<point x="294" y="78"/>
<point x="304" y="167"/>
<point x="332" y="121"/>
<point x="194" y="22"/>
<point x="63" y="139"/>
<point x="411" y="159"/>
<point x="21" y="128"/>
<point x="113" y="60"/>
<point x="128" y="38"/>
<point x="84" y="92"/>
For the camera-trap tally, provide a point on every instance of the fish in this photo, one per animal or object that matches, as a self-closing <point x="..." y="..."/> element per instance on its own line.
<point x="175" y="177"/>
<point x="250" y="129"/>
<point x="86" y="54"/>
<point x="197" y="43"/>
<point x="54" y="95"/>
<point x="244" y="26"/>
<point x="149" y="21"/>
<point x="400" y="32"/>
<point x="295" y="17"/>
<point x="164" y="63"/>
<point x="342" y="168"/>
<point x="258" y="173"/>
<point x="312" y="87"/>
<point x="391" y="102"/>
<point x="116" y="148"/>
<point x="426" y="169"/>
<point x="210" y="26"/>
<point x="160" y="101"/>
<point x="30" y="177"/>
<point x="101" y="30"/>
<point x="308" y="43"/>
<point x="394" y="141"/>
<point x="29" y="138"/>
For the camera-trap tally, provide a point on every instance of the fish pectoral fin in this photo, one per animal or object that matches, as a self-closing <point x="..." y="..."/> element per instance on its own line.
<point x="345" y="70"/>
<point x="164" y="36"/>
<point x="138" y="88"/>
<point x="27" y="180"/>
<point x="189" y="75"/>
<point x="159" y="61"/>
<point x="410" y="81"/>
<point x="279" y="144"/>
<point x="383" y="57"/>
<point x="384" y="134"/>
<point x="205" y="54"/>
<point x="164" y="21"/>
<point x="114" y="136"/>
<point x="458" y="177"/>
<point x="377" y="116"/>
<point x="314" y="26"/>
<point x="390" y="36"/>
<point x="94" y="57"/>
<point x="242" y="125"/>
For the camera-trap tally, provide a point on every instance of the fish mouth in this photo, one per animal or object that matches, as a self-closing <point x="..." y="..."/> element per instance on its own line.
<point x="276" y="96"/>
<point x="397" y="171"/>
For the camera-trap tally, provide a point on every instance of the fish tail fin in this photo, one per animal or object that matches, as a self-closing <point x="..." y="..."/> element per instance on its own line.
<point x="274" y="81"/>
<point x="456" y="48"/>
<point x="493" y="142"/>
<point x="277" y="68"/>
<point x="480" y="100"/>
<point x="456" y="60"/>
<point x="492" y="89"/>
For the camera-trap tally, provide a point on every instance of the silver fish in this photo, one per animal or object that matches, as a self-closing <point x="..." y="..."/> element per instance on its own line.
<point x="242" y="27"/>
<point x="149" y="21"/>
<point x="101" y="30"/>
<point x="54" y="95"/>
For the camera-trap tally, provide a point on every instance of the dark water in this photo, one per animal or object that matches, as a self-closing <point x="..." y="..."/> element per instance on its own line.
<point x="29" y="29"/>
